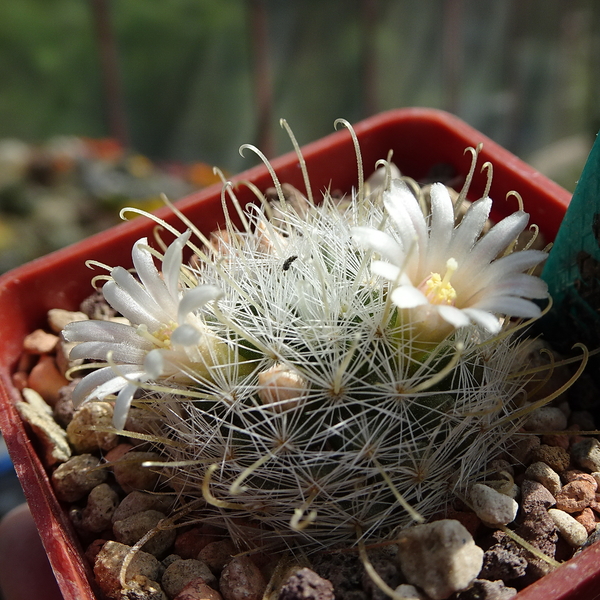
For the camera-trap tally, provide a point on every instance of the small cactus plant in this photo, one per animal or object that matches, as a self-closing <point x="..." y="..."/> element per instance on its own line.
<point x="327" y="371"/>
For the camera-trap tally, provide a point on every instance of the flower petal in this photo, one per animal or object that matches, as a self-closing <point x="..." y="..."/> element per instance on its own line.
<point x="407" y="296"/>
<point x="172" y="261"/>
<point x="120" y="353"/>
<point x="146" y="270"/>
<point x="469" y="229"/>
<point x="485" y="319"/>
<point x="122" y="405"/>
<point x="196" y="298"/>
<point x="378" y="241"/>
<point x="456" y="317"/>
<point x="442" y="226"/>
<point x="510" y="306"/>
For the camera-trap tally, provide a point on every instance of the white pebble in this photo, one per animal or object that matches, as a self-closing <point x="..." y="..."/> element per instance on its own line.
<point x="544" y="474"/>
<point x="440" y="557"/>
<point x="546" y="418"/>
<point x="572" y="531"/>
<point x="492" y="507"/>
<point x="409" y="592"/>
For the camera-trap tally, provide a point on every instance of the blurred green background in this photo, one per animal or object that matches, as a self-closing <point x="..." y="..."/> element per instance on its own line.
<point x="177" y="85"/>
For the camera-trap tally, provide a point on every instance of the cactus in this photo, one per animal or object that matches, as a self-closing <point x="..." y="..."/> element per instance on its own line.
<point x="327" y="370"/>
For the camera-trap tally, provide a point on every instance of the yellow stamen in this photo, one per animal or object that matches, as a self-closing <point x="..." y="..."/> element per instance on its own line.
<point x="438" y="290"/>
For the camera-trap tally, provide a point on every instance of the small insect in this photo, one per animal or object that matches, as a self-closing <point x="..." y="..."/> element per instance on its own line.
<point x="288" y="262"/>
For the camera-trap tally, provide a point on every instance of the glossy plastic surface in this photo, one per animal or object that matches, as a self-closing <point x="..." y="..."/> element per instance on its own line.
<point x="423" y="141"/>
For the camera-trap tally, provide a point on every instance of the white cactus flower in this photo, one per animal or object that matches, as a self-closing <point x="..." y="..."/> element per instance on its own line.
<point x="165" y="339"/>
<point x="447" y="276"/>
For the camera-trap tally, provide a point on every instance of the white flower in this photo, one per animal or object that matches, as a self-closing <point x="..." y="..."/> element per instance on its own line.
<point x="165" y="340"/>
<point x="451" y="276"/>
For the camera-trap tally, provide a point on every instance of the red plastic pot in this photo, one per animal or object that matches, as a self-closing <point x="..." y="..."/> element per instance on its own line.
<point x="422" y="141"/>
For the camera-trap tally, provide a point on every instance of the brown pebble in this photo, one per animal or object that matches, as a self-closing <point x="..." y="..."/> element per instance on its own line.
<point x="181" y="572"/>
<point x="78" y="476"/>
<point x="555" y="457"/>
<point x="587" y="519"/>
<point x="469" y="520"/>
<point x="575" y="496"/>
<point x="575" y="475"/>
<point x="108" y="563"/>
<point x="40" y="342"/>
<point x="101" y="504"/>
<point x="130" y="530"/>
<point x="534" y="494"/>
<point x="20" y="379"/>
<point x="242" y="580"/>
<point x="59" y="318"/>
<point x="556" y="440"/>
<point x="115" y="454"/>
<point x="197" y="589"/>
<point x="82" y="432"/>
<point x="92" y="551"/>
<point x="191" y="542"/>
<point x="131" y="475"/>
<point x="306" y="585"/>
<point x="136" y="502"/>
<point x="217" y="554"/>
<point x="46" y="379"/>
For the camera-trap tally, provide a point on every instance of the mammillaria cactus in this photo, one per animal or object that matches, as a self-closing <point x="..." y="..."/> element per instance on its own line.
<point x="326" y="371"/>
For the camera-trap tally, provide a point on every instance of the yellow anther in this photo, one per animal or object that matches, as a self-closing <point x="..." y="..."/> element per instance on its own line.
<point x="438" y="290"/>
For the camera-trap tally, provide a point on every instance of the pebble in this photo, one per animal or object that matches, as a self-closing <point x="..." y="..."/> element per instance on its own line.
<point x="52" y="438"/>
<point x="217" y="554"/>
<point x="130" y="530"/>
<point x="524" y="449"/>
<point x="409" y="592"/>
<point x="198" y="590"/>
<point x="586" y="454"/>
<point x="572" y="532"/>
<point x="492" y="507"/>
<point x="191" y="542"/>
<point x="62" y="356"/>
<point x="58" y="318"/>
<point x="181" y="572"/>
<point x="101" y="504"/>
<point x="46" y="379"/>
<point x="575" y="496"/>
<point x="63" y="409"/>
<point x="555" y="457"/>
<point x="108" y="566"/>
<point x="533" y="494"/>
<point x="131" y="475"/>
<point x="575" y="475"/>
<point x="40" y="342"/>
<point x="587" y="519"/>
<point x="305" y="584"/>
<point x="241" y="579"/>
<point x="499" y="562"/>
<point x="546" y="418"/>
<point x="77" y="477"/>
<point x="547" y="476"/>
<point x="440" y="557"/>
<point x="142" y="588"/>
<point x="81" y="430"/>
<point x="136" y="502"/>
<point x="482" y="589"/>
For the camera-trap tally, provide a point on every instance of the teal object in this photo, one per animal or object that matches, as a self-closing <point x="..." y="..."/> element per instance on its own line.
<point x="572" y="270"/>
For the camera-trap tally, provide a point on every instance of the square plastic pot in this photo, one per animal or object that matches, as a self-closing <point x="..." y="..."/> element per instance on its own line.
<point x="424" y="142"/>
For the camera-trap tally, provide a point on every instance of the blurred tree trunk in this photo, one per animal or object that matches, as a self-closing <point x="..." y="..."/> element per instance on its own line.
<point x="109" y="66"/>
